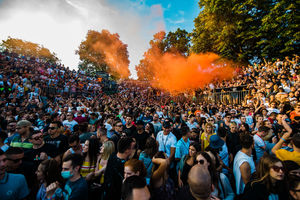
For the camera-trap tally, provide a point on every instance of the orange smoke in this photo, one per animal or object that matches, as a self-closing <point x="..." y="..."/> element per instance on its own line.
<point x="115" y="53"/>
<point x="176" y="73"/>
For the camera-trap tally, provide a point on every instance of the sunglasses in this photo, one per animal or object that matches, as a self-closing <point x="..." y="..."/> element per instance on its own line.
<point x="52" y="128"/>
<point x="201" y="162"/>
<point x="15" y="160"/>
<point x="119" y="125"/>
<point x="38" y="137"/>
<point x="277" y="169"/>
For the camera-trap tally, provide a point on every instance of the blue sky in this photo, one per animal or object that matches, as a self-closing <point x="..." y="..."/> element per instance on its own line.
<point x="176" y="13"/>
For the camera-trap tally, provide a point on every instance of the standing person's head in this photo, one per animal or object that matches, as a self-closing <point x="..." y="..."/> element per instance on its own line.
<point x="14" y="156"/>
<point x="209" y="128"/>
<point x="23" y="127"/>
<point x="71" y="166"/>
<point x="296" y="142"/>
<point x="118" y="126"/>
<point x="129" y="120"/>
<point x="246" y="140"/>
<point x="91" y="149"/>
<point x="263" y="131"/>
<point x="134" y="167"/>
<point x="48" y="172"/>
<point x="107" y="149"/>
<point x="36" y="138"/>
<point x="194" y="148"/>
<point x="200" y="182"/>
<point x="155" y="117"/>
<point x="294" y="186"/>
<point x="54" y="128"/>
<point x="151" y="147"/>
<point x="167" y="127"/>
<point x="135" y="188"/>
<point x="102" y="134"/>
<point x="233" y="127"/>
<point x="126" y="146"/>
<point x="74" y="142"/>
<point x="185" y="131"/>
<point x="203" y="159"/>
<point x="270" y="170"/>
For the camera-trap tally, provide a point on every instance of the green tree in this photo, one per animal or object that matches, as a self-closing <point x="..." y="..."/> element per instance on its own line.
<point x="177" y="42"/>
<point x="28" y="49"/>
<point x="247" y="30"/>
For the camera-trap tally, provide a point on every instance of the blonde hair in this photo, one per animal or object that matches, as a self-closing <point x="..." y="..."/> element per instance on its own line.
<point x="108" y="149"/>
<point x="211" y="125"/>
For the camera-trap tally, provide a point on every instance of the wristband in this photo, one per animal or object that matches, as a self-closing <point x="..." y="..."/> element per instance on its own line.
<point x="283" y="139"/>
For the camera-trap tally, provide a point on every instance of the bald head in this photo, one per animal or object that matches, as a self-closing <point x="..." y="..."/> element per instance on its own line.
<point x="200" y="182"/>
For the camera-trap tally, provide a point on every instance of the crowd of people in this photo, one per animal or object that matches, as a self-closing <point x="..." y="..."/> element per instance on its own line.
<point x="141" y="143"/>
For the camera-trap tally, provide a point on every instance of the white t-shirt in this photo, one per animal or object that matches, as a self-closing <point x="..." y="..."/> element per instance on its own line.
<point x="166" y="142"/>
<point x="239" y="159"/>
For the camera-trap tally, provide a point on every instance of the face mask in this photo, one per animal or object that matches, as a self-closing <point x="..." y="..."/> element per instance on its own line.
<point x="66" y="174"/>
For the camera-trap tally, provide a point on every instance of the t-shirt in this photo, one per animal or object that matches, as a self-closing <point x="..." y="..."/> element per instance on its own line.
<point x="13" y="187"/>
<point x="70" y="124"/>
<point x="239" y="159"/>
<point x="77" y="190"/>
<point x="60" y="142"/>
<point x="113" y="177"/>
<point x="141" y="140"/>
<point x="166" y="142"/>
<point x="283" y="155"/>
<point x="205" y="139"/>
<point x="34" y="154"/>
<point x="258" y="146"/>
<point x="182" y="148"/>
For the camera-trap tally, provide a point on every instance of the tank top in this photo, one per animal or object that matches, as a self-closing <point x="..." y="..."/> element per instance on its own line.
<point x="102" y="175"/>
<point x="86" y="168"/>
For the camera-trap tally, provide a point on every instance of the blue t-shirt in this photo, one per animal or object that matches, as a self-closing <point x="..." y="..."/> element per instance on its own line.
<point x="13" y="187"/>
<point x="182" y="148"/>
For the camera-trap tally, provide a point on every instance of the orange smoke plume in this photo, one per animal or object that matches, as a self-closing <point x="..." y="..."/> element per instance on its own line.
<point x="115" y="53"/>
<point x="176" y="73"/>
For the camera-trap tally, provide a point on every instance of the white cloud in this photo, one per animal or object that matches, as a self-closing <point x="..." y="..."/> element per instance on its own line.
<point x="61" y="25"/>
<point x="178" y="21"/>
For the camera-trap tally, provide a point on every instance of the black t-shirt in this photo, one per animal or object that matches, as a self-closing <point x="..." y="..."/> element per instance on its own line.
<point x="49" y="149"/>
<point x="130" y="132"/>
<point x="113" y="178"/>
<point x="141" y="140"/>
<point x="60" y="142"/>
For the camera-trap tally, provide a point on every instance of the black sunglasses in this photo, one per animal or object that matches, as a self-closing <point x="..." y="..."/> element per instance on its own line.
<point x="277" y="169"/>
<point x="38" y="137"/>
<point x="52" y="128"/>
<point x="201" y="162"/>
<point x="15" y="160"/>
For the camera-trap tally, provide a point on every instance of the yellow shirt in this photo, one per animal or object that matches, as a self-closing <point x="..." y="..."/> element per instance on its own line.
<point x="205" y="139"/>
<point x="283" y="155"/>
<point x="86" y="169"/>
<point x="102" y="175"/>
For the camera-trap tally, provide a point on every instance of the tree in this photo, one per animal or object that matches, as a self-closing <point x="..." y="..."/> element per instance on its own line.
<point x="246" y="30"/>
<point x="103" y="51"/>
<point x="28" y="49"/>
<point x="177" y="42"/>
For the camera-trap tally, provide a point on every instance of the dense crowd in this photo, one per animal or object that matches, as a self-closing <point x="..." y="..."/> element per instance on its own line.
<point x="141" y="143"/>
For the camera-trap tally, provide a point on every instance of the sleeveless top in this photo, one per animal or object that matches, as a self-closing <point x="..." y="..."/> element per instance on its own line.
<point x="164" y="192"/>
<point x="102" y="175"/>
<point x="86" y="168"/>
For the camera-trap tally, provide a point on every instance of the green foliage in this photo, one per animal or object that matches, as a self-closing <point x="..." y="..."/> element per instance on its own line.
<point x="177" y="42"/>
<point x="244" y="30"/>
<point x="28" y="49"/>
